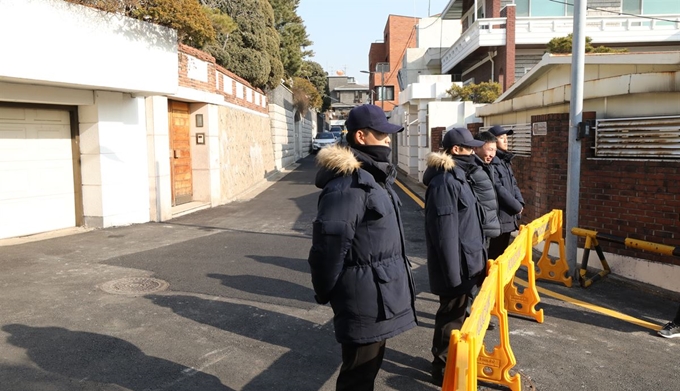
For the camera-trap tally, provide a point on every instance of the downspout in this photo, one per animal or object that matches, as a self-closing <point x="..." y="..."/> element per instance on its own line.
<point x="492" y="64"/>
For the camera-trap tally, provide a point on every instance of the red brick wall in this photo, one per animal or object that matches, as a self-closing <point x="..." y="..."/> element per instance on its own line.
<point x="493" y="8"/>
<point x="474" y="127"/>
<point x="505" y="60"/>
<point x="436" y="139"/>
<point x="400" y="34"/>
<point x="480" y="74"/>
<point x="211" y="85"/>
<point x="639" y="199"/>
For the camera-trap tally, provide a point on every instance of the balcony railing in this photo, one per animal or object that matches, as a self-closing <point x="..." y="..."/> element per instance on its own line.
<point x="484" y="32"/>
<point x="531" y="30"/>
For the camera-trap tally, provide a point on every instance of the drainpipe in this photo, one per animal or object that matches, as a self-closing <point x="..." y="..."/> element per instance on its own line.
<point x="492" y="64"/>
<point x="474" y="13"/>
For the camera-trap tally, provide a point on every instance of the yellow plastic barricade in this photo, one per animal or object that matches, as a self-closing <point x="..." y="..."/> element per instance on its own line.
<point x="468" y="359"/>
<point x="548" y="228"/>
<point x="465" y="345"/>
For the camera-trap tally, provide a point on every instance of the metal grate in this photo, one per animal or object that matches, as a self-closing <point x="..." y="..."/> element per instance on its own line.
<point x="638" y="137"/>
<point x="520" y="140"/>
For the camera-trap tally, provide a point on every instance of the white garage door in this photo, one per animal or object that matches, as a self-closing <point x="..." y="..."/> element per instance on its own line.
<point x="36" y="171"/>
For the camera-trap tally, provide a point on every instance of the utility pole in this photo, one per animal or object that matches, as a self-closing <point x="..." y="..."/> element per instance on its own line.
<point x="578" y="50"/>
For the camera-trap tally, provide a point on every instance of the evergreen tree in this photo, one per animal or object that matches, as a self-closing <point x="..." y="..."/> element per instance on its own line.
<point x="563" y="45"/>
<point x="313" y="72"/>
<point x="485" y="92"/>
<point x="252" y="50"/>
<point x="293" y="36"/>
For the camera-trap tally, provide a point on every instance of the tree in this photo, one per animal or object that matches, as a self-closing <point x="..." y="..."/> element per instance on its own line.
<point x="186" y="16"/>
<point x="313" y="72"/>
<point x="305" y="95"/>
<point x="563" y="45"/>
<point x="252" y="50"/>
<point x="293" y="36"/>
<point x="486" y="92"/>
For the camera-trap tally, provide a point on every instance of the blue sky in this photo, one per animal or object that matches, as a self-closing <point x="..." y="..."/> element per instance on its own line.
<point x="342" y="31"/>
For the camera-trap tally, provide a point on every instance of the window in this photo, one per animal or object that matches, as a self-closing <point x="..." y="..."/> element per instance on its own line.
<point x="539" y="8"/>
<point x="651" y="7"/>
<point x="638" y="137"/>
<point x="384" y="93"/>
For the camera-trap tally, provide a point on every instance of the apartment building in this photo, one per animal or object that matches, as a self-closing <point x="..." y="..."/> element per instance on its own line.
<point x="385" y="59"/>
<point x="502" y="40"/>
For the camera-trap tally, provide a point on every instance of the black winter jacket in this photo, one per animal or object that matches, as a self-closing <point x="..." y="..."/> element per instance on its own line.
<point x="510" y="201"/>
<point x="481" y="179"/>
<point x="357" y="258"/>
<point x="456" y="257"/>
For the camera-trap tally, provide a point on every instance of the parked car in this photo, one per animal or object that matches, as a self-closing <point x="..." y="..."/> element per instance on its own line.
<point x="323" y="140"/>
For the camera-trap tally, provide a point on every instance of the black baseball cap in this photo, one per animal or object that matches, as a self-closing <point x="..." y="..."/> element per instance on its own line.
<point x="460" y="136"/>
<point x="372" y="117"/>
<point x="498" y="130"/>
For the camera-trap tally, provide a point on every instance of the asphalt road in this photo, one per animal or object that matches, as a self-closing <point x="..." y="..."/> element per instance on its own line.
<point x="238" y="311"/>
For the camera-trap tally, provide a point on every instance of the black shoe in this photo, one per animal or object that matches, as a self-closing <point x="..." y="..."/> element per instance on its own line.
<point x="437" y="376"/>
<point x="437" y="380"/>
<point x="492" y="326"/>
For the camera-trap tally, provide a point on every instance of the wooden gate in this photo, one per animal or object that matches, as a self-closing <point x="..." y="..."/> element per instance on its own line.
<point x="180" y="152"/>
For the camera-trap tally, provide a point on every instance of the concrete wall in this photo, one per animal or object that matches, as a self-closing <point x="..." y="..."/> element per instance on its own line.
<point x="113" y="153"/>
<point x="72" y="45"/>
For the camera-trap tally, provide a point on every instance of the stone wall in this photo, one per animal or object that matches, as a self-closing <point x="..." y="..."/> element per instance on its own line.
<point x="292" y="140"/>
<point x="246" y="151"/>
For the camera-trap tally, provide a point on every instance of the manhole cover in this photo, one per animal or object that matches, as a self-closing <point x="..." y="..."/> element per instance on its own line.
<point x="134" y="286"/>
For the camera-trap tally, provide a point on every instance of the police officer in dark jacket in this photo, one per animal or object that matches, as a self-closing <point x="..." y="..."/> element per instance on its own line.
<point x="358" y="262"/>
<point x="482" y="182"/>
<point x="456" y="256"/>
<point x="510" y="201"/>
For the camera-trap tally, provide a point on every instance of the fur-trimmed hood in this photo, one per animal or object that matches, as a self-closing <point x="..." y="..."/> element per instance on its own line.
<point x="335" y="161"/>
<point x="437" y="162"/>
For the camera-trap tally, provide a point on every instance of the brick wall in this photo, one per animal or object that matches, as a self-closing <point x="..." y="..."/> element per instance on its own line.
<point x="474" y="127"/>
<point x="636" y="198"/>
<point x="436" y="139"/>
<point x="400" y="34"/>
<point x="505" y="60"/>
<point x="481" y="74"/>
<point x="215" y="81"/>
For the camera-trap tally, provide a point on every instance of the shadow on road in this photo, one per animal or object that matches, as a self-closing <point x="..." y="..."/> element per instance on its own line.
<point x="88" y="361"/>
<point x="312" y="356"/>
<point x="266" y="286"/>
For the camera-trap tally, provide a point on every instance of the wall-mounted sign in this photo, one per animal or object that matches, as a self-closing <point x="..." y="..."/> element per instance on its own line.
<point x="539" y="128"/>
<point x="200" y="138"/>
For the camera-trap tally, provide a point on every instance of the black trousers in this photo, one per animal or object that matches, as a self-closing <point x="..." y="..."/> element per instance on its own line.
<point x="498" y="245"/>
<point x="360" y="366"/>
<point x="450" y="316"/>
<point x="677" y="317"/>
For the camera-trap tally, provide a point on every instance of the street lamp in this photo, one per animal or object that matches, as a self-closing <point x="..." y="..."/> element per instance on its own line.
<point x="381" y="68"/>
